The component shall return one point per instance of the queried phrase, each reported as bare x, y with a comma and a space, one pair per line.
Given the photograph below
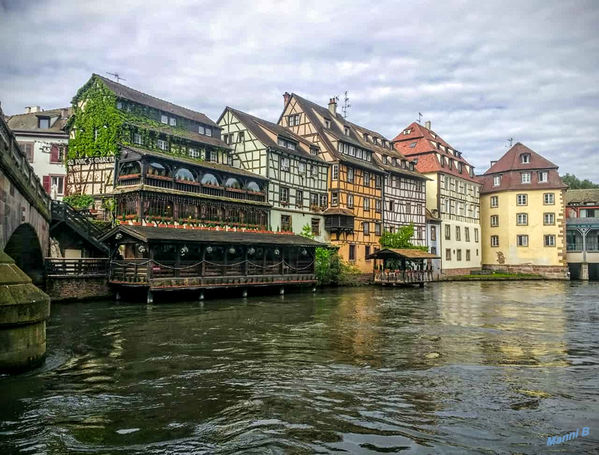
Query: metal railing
61, 211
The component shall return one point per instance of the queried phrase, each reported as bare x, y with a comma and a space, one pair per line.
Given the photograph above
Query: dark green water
454, 368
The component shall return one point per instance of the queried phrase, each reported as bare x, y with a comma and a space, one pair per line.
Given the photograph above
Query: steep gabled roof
511, 161
29, 122
257, 127
128, 93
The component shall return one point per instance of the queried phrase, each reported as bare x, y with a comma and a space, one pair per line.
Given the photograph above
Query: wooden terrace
402, 266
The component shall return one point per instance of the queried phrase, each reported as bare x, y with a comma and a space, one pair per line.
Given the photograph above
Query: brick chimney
333, 106
427, 124
32, 109
286, 98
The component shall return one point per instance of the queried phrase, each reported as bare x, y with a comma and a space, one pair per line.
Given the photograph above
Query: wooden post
203, 265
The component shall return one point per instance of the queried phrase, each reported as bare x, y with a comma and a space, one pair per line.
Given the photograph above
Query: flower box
159, 177
129, 176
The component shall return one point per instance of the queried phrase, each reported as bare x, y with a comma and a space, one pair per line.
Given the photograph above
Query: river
468, 367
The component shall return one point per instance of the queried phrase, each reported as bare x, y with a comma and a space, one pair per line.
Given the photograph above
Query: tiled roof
181, 132
29, 122
420, 143
257, 126
128, 93
586, 196
510, 169
407, 253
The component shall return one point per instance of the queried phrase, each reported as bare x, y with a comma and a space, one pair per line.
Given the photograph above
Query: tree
575, 183
400, 239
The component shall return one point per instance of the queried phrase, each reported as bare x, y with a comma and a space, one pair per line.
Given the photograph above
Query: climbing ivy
96, 125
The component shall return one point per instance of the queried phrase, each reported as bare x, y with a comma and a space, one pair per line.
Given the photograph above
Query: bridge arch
25, 248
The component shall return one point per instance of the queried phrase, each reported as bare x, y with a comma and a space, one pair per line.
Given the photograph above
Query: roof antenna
510, 140
419, 117
116, 76
346, 105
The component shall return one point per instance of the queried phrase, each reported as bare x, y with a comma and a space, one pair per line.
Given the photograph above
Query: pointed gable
512, 160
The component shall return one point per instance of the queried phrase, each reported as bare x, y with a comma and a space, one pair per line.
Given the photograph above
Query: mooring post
150, 297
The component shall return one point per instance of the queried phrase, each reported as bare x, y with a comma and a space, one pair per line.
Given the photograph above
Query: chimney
27, 109
64, 113
493, 162
286, 98
427, 124
333, 106
32, 109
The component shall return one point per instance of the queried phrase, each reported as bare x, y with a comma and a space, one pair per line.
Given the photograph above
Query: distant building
433, 241
522, 213
42, 137
452, 195
582, 233
297, 176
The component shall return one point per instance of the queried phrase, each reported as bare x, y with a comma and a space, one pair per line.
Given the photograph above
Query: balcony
338, 220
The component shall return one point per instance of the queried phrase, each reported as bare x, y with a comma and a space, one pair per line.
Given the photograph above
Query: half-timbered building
404, 192
452, 194
354, 217
297, 175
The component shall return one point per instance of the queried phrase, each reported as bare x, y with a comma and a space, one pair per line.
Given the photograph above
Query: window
458, 233
299, 198
525, 177
172, 121
467, 234
315, 226
161, 144
205, 130
494, 201
253, 186
497, 180
284, 195
350, 201
313, 170
476, 235
521, 199
286, 223
433, 233
27, 148
408, 208
521, 219
391, 206
209, 179
378, 230
377, 205
119, 105
43, 122
184, 175
346, 130
447, 232
525, 158
467, 255
327, 123
241, 136
522, 240
366, 179
213, 156
335, 172
293, 120
352, 252
366, 204
378, 181
548, 198
284, 163
494, 220
313, 200
334, 198
286, 143
323, 201
57, 184
164, 119
366, 228
458, 255
448, 254
548, 219
433, 250
367, 252
543, 176
301, 168
350, 175
550, 240
137, 139
494, 240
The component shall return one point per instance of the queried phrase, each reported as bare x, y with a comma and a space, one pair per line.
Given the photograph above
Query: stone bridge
24, 208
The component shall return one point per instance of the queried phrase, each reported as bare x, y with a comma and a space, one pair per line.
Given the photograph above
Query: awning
402, 253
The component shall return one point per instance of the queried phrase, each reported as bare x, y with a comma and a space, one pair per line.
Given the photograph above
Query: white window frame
525, 177
548, 198
522, 240
494, 241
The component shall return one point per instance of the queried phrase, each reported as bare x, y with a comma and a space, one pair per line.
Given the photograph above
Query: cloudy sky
482, 72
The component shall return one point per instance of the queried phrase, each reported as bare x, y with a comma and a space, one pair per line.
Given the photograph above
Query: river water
475, 367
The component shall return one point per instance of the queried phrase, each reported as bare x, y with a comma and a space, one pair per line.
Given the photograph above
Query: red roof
416, 141
510, 168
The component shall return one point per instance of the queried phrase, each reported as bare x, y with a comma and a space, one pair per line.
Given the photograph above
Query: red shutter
54, 154
46, 183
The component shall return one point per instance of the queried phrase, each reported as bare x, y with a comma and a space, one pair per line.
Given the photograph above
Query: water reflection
456, 367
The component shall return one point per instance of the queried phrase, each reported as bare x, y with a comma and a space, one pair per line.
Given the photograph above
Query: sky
481, 72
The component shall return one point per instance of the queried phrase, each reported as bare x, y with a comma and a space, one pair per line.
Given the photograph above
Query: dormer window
327, 123
164, 119
43, 122
394, 161
172, 121
346, 130
376, 140
366, 137
525, 158
385, 159
525, 177
205, 130
313, 150
286, 143
407, 131
496, 180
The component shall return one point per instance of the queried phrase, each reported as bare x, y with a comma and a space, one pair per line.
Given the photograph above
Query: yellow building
523, 215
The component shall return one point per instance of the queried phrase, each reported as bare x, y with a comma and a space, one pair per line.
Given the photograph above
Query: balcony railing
81, 268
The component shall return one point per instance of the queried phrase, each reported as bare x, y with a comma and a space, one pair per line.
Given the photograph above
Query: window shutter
46, 183
54, 154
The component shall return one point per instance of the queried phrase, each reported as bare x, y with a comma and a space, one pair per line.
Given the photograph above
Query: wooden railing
61, 211
404, 276
84, 267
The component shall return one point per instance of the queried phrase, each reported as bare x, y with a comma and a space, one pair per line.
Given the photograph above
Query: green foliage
330, 269
96, 123
575, 183
79, 201
307, 232
400, 239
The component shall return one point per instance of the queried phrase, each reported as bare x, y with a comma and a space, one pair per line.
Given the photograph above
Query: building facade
582, 233
523, 215
297, 176
354, 217
452, 195
41, 135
